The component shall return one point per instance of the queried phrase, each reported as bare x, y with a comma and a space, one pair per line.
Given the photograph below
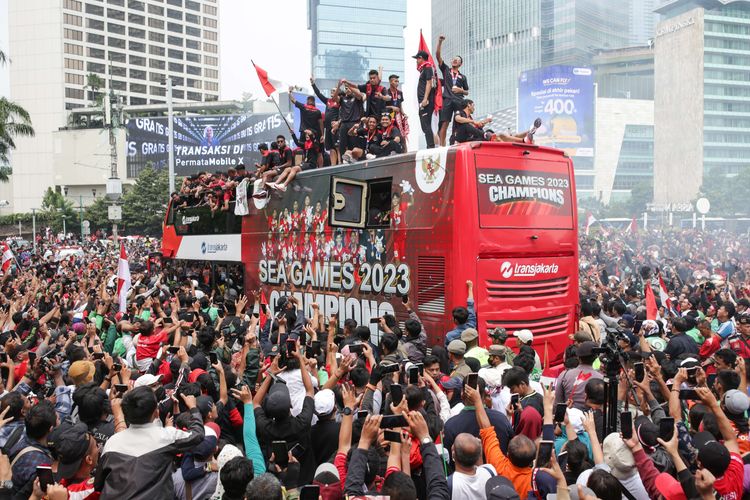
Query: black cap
712, 455
423, 54
744, 319
281, 303
71, 446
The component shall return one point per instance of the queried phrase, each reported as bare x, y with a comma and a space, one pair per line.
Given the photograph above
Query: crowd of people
195, 391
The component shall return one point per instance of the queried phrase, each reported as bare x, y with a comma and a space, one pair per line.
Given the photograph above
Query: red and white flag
438, 89
652, 312
123, 278
269, 84
666, 301
8, 258
633, 227
590, 220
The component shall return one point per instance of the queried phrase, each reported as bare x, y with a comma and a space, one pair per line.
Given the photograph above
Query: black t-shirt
271, 160
325, 440
370, 137
375, 106
309, 118
389, 135
462, 132
395, 98
450, 81
285, 156
425, 75
351, 109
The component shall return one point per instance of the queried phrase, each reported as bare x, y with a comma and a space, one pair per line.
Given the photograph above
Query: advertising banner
201, 143
563, 97
223, 247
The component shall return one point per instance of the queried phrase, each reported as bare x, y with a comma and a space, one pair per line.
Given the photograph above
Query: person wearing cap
496, 363
426, 95
470, 337
617, 459
77, 457
526, 338
325, 433
743, 336
499, 336
463, 317
570, 384
456, 352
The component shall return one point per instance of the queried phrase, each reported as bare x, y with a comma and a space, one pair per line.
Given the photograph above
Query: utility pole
65, 231
170, 145
33, 229
80, 214
112, 121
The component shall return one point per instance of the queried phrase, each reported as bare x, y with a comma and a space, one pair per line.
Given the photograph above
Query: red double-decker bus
357, 238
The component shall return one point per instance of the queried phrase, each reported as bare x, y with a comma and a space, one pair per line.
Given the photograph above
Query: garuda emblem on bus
430, 169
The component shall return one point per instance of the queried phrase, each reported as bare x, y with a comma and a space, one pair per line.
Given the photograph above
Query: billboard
201, 143
563, 97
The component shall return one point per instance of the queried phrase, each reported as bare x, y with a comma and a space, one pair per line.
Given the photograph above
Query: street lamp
170, 120
64, 230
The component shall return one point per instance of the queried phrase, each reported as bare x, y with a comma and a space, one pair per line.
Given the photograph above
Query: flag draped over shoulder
123, 278
438, 88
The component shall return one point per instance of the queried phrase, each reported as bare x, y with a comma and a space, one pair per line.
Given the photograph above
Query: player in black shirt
467, 129
311, 157
269, 162
455, 89
331, 140
310, 117
368, 134
286, 157
425, 95
392, 96
350, 112
390, 142
373, 92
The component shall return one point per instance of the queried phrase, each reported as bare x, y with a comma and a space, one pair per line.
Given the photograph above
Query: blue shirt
471, 322
726, 329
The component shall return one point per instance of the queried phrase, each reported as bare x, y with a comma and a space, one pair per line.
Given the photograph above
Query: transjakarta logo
188, 219
507, 269
210, 248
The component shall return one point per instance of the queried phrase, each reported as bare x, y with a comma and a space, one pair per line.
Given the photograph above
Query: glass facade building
635, 167
349, 38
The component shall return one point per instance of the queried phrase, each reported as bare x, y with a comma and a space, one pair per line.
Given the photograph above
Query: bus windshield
192, 221
539, 197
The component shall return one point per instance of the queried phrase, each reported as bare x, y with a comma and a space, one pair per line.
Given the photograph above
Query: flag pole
275, 103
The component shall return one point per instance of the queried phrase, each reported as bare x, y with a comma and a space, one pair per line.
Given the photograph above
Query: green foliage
14, 122
726, 193
55, 207
98, 215
143, 205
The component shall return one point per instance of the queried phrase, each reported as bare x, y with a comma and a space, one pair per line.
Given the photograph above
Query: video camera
610, 353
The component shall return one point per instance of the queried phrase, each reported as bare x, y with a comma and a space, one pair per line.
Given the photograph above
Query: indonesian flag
262, 308
8, 258
590, 220
633, 227
439, 88
269, 85
652, 312
123, 278
664, 296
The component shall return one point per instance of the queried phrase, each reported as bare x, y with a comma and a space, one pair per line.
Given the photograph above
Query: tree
143, 205
15, 121
98, 214
724, 191
94, 82
55, 206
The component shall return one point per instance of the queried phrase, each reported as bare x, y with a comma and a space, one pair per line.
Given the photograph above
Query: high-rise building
497, 41
702, 86
574, 30
56, 44
642, 21
352, 38
625, 73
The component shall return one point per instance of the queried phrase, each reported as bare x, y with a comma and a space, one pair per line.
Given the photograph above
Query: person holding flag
455, 89
425, 94
8, 258
123, 279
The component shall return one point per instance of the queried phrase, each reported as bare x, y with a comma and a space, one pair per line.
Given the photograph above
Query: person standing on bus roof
310, 117
373, 92
425, 95
350, 113
455, 88
330, 142
463, 317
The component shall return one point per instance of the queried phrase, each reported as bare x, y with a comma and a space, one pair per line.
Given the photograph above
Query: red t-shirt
148, 346
729, 486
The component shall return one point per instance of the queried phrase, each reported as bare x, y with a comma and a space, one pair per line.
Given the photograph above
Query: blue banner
563, 97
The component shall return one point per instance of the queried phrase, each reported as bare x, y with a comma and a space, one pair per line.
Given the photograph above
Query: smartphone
544, 453
666, 428
355, 349
315, 347
309, 492
392, 368
362, 415
472, 380
117, 366
397, 394
560, 410
32, 357
562, 459
281, 453
173, 349
44, 473
420, 366
391, 421
514, 399
374, 321
121, 388
297, 451
213, 357
392, 436
168, 320
626, 424
98, 355
413, 375
640, 372
3, 357
689, 395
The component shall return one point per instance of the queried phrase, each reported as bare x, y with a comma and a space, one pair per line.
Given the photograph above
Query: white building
136, 44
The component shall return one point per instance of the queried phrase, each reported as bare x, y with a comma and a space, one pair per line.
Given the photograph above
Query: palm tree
14, 122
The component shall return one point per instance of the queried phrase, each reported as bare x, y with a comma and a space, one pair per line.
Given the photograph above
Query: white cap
146, 379
199, 294
524, 335
324, 402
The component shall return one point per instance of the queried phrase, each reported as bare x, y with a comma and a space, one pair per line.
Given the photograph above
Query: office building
497, 40
625, 73
56, 44
642, 21
350, 39
574, 30
702, 86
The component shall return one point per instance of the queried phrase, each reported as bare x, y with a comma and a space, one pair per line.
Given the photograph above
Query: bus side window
360, 204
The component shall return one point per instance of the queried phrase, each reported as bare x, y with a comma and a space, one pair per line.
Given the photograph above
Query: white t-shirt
296, 388
467, 487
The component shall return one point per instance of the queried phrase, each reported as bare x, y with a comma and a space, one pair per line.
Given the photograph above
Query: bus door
527, 264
